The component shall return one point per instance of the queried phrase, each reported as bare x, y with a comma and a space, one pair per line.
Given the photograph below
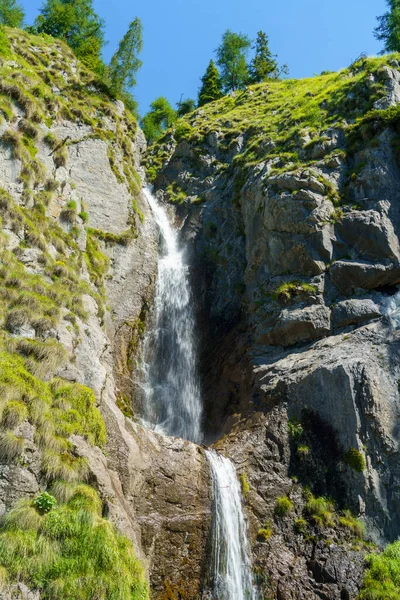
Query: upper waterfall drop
172, 402
230, 553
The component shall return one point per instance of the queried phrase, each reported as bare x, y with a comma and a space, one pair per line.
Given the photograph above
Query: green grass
382, 577
70, 551
283, 506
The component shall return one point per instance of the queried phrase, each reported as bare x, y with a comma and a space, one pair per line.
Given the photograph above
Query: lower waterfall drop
172, 402
230, 553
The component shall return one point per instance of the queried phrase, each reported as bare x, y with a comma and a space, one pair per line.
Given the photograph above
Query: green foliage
283, 506
388, 30
11, 13
244, 484
160, 116
70, 551
288, 291
75, 22
382, 578
355, 460
186, 106
231, 58
264, 65
302, 451
350, 522
321, 510
44, 503
295, 429
264, 533
211, 88
125, 62
300, 525
182, 131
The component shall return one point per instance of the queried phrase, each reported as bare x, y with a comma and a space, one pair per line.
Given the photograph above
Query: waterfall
391, 308
230, 553
172, 402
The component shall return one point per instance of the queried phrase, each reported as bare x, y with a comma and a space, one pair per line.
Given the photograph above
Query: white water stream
172, 405
230, 558
172, 393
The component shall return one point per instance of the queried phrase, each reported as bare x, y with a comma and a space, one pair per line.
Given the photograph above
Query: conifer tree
388, 30
11, 13
125, 63
184, 107
264, 65
75, 22
231, 58
211, 88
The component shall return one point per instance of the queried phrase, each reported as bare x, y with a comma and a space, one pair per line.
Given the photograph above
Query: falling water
230, 560
172, 401
391, 307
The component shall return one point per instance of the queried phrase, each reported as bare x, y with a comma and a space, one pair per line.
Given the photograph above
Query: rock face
294, 266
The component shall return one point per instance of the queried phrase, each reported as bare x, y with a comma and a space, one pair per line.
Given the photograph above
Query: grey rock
349, 275
351, 312
297, 325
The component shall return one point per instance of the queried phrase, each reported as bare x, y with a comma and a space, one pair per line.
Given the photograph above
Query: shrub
354, 459
44, 503
382, 578
283, 506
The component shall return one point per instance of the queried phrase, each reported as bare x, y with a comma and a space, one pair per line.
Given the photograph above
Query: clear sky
180, 36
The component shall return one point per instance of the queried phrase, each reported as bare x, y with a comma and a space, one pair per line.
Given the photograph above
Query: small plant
303, 451
244, 484
354, 459
264, 533
350, 522
295, 429
321, 510
283, 506
44, 502
300, 525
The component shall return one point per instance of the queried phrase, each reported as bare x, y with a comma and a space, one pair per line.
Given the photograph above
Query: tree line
76, 22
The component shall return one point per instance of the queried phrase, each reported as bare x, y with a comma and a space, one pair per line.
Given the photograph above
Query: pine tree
125, 63
231, 58
11, 13
263, 66
211, 88
75, 22
388, 30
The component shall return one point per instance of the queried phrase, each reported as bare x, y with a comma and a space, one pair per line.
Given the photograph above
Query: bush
354, 459
350, 522
283, 506
382, 578
295, 429
303, 451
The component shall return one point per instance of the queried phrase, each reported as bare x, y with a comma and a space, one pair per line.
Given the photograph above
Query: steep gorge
287, 194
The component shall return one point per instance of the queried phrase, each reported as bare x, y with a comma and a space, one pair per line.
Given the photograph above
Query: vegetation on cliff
53, 268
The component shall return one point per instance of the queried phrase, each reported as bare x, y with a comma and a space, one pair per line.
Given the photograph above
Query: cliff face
289, 198
79, 262
292, 214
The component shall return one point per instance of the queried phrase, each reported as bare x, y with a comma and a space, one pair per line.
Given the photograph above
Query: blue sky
180, 36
